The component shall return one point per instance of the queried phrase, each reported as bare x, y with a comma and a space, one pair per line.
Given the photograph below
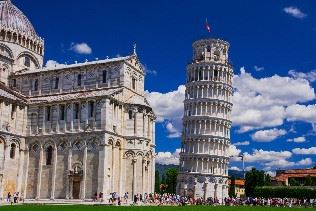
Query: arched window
12, 151
49, 155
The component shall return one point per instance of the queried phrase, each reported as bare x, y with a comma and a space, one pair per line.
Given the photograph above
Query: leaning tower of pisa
206, 122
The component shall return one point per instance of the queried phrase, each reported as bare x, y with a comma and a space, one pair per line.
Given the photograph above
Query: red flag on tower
207, 26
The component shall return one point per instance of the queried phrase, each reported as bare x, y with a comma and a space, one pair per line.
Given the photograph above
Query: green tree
171, 179
157, 181
308, 181
254, 178
232, 187
293, 182
267, 180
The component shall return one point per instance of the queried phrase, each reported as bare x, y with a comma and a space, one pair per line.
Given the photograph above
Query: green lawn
115, 208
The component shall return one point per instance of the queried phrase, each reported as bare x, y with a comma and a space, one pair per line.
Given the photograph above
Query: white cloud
301, 113
168, 158
81, 48
266, 156
310, 76
249, 168
149, 71
258, 69
305, 162
267, 135
305, 151
260, 103
295, 12
274, 159
51, 64
233, 151
173, 132
280, 164
243, 143
168, 108
300, 139
235, 168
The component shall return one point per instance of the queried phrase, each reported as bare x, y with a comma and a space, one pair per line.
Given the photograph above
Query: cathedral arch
25, 58
118, 143
16, 141
78, 145
141, 154
63, 145
48, 144
129, 154
6, 51
92, 144
111, 141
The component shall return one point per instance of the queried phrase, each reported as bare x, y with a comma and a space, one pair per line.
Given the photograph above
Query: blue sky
272, 42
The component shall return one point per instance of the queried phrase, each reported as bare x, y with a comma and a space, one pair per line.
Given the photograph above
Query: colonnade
206, 108
204, 165
207, 127
202, 90
203, 72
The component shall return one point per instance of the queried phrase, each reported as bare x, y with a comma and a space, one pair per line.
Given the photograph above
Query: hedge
285, 192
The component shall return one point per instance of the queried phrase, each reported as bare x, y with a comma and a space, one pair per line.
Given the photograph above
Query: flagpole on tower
207, 26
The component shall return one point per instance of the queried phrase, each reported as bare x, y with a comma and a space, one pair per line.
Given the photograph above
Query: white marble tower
206, 122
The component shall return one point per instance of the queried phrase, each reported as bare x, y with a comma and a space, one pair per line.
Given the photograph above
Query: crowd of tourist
13, 198
166, 199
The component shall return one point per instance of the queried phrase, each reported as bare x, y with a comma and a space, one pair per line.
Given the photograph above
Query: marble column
39, 175
52, 197
84, 173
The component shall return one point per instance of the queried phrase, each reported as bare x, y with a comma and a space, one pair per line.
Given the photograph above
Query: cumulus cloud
168, 158
258, 68
305, 151
168, 108
300, 139
243, 143
173, 132
286, 164
280, 164
260, 103
235, 168
51, 64
310, 76
267, 135
266, 156
233, 151
305, 162
295, 12
249, 168
149, 71
81, 48
306, 113
274, 159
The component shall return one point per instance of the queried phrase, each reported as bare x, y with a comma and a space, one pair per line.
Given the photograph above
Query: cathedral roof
63, 67
12, 19
77, 95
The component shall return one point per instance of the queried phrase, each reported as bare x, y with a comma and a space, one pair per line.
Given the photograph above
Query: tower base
202, 186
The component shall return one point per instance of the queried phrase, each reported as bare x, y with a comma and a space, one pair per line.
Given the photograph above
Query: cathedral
69, 131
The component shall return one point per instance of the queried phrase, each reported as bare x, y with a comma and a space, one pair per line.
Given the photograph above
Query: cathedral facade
206, 123
69, 131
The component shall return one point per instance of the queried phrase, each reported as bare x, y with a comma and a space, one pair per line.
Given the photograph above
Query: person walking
9, 197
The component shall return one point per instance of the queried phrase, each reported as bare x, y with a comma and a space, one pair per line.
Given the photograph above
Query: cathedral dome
12, 19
